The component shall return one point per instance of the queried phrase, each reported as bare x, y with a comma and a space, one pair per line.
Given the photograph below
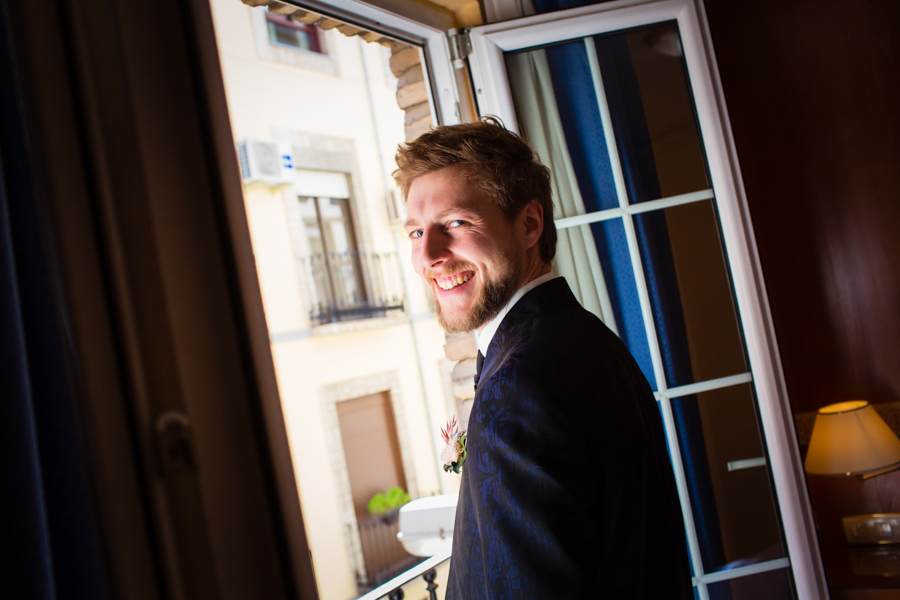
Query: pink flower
450, 430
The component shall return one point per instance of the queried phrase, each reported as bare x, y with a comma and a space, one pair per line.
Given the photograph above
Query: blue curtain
585, 139
48, 545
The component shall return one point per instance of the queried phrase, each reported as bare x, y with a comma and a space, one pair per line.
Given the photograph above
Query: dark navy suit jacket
567, 491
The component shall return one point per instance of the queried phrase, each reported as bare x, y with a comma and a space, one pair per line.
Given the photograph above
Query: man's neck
485, 334
538, 270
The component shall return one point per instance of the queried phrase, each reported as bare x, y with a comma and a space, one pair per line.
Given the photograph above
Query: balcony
384, 555
348, 286
422, 532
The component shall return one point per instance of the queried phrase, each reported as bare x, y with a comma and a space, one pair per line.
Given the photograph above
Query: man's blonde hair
494, 159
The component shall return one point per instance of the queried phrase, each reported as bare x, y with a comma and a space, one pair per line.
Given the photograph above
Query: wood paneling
813, 95
814, 99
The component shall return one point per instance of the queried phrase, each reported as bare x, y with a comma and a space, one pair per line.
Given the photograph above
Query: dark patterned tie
479, 362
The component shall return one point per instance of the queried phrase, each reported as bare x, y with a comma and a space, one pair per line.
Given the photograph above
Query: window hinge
460, 46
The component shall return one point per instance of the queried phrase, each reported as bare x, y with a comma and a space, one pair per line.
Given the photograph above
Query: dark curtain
584, 137
48, 544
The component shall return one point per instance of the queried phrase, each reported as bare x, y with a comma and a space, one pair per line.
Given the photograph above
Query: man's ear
532, 221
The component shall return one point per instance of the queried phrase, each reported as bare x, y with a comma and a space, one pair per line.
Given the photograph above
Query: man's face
470, 256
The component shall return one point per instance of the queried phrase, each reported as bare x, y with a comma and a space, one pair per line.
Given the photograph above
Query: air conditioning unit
265, 161
396, 207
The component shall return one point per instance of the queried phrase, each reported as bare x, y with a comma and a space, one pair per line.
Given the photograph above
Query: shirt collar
483, 339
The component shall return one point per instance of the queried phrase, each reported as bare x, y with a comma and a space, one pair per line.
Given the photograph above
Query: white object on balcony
426, 525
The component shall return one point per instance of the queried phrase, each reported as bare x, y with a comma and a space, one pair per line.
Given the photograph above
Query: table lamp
850, 438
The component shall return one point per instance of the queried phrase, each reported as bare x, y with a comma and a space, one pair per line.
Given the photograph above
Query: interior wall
812, 90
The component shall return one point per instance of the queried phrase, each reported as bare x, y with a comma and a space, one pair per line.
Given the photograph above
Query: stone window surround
316, 152
329, 396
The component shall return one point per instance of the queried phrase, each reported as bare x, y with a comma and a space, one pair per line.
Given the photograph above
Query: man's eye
415, 234
456, 223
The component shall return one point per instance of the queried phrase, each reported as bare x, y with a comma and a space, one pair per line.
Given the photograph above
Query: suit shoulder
571, 333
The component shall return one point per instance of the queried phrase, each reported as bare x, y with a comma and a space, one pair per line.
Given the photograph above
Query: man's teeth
449, 284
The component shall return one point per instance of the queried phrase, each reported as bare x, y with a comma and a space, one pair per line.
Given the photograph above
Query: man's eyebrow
465, 210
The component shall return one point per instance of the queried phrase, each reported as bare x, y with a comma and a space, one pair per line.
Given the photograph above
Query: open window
621, 100
167, 313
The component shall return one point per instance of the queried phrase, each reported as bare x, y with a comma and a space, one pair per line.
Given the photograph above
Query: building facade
349, 321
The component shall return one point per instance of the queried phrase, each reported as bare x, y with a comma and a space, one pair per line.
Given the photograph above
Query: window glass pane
733, 505
690, 291
290, 37
597, 265
290, 34
652, 112
557, 111
312, 234
338, 230
771, 585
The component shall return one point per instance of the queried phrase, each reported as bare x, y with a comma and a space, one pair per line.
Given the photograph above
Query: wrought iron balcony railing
347, 286
426, 570
384, 555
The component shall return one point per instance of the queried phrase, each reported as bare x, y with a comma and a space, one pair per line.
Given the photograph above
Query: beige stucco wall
270, 99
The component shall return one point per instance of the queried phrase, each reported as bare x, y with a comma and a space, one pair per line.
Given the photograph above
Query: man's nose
435, 248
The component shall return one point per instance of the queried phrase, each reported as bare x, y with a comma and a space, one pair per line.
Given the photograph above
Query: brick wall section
412, 97
412, 94
461, 349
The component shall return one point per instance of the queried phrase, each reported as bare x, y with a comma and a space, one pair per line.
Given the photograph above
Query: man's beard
494, 295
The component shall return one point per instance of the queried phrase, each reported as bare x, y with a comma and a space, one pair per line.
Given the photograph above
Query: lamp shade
850, 438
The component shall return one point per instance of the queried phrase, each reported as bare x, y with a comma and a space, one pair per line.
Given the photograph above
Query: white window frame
494, 97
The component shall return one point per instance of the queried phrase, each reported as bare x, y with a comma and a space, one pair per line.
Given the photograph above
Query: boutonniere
454, 453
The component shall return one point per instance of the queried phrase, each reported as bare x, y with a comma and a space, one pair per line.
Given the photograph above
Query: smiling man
567, 490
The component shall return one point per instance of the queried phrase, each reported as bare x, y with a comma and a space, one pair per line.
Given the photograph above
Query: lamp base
878, 528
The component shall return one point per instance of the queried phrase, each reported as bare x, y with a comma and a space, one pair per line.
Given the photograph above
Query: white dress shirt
483, 339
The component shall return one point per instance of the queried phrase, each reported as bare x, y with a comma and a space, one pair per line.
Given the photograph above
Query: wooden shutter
371, 448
